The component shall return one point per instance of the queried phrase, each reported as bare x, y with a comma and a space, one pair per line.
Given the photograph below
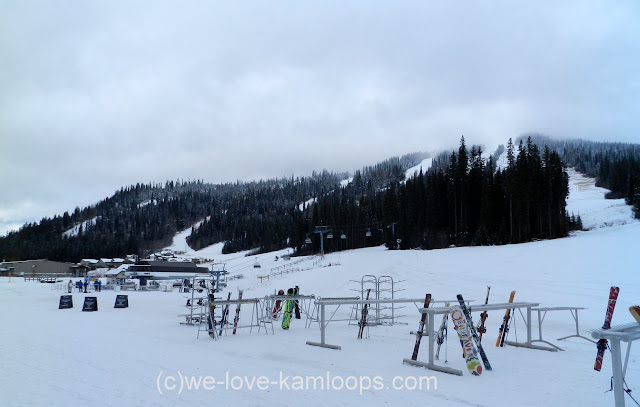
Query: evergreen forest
463, 198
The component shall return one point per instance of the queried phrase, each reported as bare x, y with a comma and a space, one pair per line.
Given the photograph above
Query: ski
363, 317
504, 328
483, 317
423, 320
237, 318
602, 343
296, 305
464, 334
474, 334
442, 332
288, 307
278, 306
211, 322
225, 315
635, 311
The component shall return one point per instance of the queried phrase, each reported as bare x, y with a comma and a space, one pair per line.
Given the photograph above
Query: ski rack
196, 302
430, 325
382, 287
623, 333
542, 313
324, 322
215, 283
258, 318
304, 304
315, 313
382, 294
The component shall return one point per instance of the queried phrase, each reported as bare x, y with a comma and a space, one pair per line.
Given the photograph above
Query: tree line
463, 198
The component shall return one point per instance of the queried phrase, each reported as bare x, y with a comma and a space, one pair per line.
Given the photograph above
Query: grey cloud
100, 94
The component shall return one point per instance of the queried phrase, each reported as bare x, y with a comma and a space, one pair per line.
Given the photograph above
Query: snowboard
474, 334
464, 334
602, 343
288, 308
423, 320
504, 328
278, 306
635, 311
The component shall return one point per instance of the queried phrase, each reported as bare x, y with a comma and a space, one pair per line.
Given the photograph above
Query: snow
311, 201
345, 182
76, 229
423, 166
134, 356
588, 201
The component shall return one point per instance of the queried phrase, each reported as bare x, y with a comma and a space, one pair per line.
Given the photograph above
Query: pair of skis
363, 316
225, 315
468, 335
504, 328
442, 332
420, 333
277, 306
602, 343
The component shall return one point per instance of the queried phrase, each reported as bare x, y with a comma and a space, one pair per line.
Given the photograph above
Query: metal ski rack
324, 321
314, 316
195, 304
217, 284
258, 317
382, 288
388, 290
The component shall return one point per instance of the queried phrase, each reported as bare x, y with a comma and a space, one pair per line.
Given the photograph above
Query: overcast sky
96, 95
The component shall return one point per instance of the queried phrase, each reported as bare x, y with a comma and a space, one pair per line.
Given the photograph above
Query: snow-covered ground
138, 355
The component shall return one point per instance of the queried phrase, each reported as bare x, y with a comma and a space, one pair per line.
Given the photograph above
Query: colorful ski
423, 320
237, 318
288, 307
442, 332
483, 317
296, 305
464, 334
504, 328
278, 306
225, 315
602, 343
635, 311
474, 334
363, 316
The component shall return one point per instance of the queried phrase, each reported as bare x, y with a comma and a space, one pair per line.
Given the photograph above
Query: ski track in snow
118, 356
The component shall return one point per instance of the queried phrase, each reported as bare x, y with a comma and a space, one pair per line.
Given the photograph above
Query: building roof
167, 266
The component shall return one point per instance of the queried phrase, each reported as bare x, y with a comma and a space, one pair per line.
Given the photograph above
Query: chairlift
307, 240
330, 236
343, 236
368, 234
256, 265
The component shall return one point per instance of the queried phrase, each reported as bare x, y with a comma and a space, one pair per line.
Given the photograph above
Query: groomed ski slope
128, 357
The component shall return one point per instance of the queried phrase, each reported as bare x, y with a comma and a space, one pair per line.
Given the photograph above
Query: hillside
461, 198
130, 356
142, 218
